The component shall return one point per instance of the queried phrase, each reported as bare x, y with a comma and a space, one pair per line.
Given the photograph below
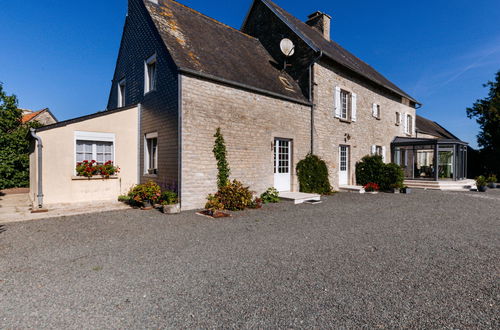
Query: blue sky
61, 54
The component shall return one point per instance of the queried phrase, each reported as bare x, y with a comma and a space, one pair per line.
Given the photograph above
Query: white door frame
344, 164
283, 164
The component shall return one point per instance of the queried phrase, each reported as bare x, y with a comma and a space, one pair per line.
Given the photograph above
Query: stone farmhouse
180, 75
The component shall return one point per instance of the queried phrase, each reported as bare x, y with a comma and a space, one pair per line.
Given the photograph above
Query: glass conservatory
430, 159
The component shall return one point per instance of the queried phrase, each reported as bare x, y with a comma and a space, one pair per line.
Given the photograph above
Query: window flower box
90, 169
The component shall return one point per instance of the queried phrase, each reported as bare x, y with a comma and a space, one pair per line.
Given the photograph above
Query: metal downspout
311, 97
39, 149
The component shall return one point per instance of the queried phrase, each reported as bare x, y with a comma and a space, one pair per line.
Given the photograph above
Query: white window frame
94, 137
147, 79
379, 150
147, 156
121, 94
409, 124
376, 111
348, 104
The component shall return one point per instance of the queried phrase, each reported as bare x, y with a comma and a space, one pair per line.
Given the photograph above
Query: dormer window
121, 93
286, 83
150, 74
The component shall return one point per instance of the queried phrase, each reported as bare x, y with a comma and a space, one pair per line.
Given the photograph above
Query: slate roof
424, 125
201, 44
334, 51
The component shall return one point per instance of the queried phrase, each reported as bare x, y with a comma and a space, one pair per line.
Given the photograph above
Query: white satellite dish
287, 47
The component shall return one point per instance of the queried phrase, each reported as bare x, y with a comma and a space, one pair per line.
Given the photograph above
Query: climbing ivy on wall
222, 164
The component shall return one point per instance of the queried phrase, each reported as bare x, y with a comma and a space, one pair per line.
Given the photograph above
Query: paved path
426, 260
17, 207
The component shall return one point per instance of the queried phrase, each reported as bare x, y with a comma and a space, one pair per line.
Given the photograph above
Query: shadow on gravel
2, 229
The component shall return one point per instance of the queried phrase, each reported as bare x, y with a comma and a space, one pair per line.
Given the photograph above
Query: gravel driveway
430, 259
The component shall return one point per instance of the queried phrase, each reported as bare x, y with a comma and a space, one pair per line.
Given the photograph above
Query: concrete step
354, 189
298, 197
463, 185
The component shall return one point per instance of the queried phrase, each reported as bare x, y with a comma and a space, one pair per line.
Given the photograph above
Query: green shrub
271, 195
481, 181
392, 177
149, 191
492, 179
169, 197
213, 203
256, 203
372, 169
222, 164
124, 199
369, 169
313, 175
235, 196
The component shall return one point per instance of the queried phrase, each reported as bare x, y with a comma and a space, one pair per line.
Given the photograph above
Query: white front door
343, 165
282, 165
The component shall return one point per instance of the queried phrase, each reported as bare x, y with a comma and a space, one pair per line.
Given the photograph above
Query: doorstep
354, 189
298, 197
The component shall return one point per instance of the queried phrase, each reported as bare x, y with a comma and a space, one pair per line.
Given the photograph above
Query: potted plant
394, 188
170, 202
405, 190
146, 194
492, 181
372, 188
481, 183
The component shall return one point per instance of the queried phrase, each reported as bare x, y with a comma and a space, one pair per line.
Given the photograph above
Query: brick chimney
320, 22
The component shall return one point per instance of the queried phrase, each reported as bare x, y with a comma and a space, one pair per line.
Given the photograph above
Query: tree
14, 143
220, 154
486, 111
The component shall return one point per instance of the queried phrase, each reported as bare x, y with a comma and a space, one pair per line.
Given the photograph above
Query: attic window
287, 84
150, 74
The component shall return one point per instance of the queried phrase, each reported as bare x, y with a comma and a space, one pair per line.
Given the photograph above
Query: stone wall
45, 118
330, 132
249, 123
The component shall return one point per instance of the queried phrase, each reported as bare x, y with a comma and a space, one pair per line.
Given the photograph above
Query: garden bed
214, 215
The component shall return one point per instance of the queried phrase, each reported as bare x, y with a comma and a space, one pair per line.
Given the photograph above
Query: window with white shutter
345, 105
337, 102
354, 106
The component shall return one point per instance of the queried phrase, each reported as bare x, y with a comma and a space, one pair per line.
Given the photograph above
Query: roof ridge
212, 19
388, 84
